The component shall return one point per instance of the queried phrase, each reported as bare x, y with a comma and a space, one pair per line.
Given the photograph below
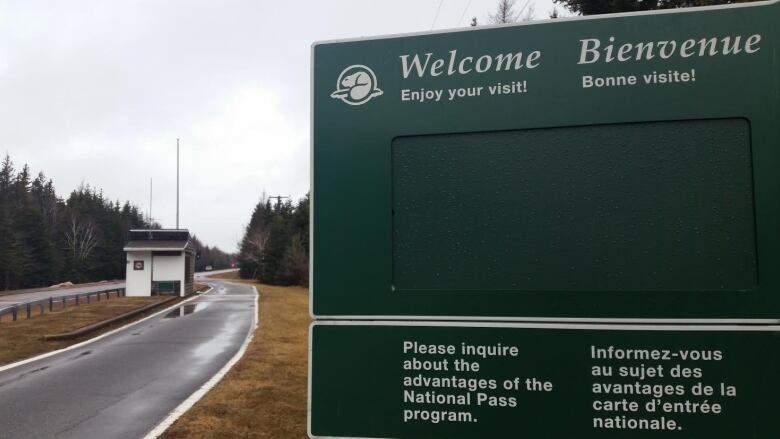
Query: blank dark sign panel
662, 206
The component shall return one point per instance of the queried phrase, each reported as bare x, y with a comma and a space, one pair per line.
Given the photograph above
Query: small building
159, 261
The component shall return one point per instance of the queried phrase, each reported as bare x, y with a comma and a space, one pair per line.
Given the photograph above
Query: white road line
205, 388
99, 337
215, 296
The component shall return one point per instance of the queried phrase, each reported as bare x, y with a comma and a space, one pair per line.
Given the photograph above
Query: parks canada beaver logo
356, 85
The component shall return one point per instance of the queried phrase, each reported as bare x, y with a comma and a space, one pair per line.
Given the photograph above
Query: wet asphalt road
123, 385
44, 293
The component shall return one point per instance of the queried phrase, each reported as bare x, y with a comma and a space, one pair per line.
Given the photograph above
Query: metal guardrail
58, 303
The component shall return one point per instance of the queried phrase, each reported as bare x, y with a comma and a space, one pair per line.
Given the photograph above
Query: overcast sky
98, 91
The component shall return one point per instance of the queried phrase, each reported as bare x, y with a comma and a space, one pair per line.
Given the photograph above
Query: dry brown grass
264, 395
24, 338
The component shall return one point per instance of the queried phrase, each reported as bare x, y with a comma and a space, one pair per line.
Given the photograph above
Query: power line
436, 17
278, 199
464, 12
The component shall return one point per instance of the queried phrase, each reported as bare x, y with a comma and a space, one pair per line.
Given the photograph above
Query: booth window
166, 287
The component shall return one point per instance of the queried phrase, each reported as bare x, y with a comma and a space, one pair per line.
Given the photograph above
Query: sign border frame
595, 320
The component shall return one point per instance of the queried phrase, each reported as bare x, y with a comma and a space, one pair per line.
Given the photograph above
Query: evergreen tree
254, 240
8, 244
295, 263
278, 238
275, 246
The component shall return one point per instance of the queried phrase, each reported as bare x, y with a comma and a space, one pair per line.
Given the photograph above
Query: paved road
6, 301
44, 293
125, 384
203, 275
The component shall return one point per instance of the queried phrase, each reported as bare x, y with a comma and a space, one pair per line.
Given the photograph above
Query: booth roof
157, 245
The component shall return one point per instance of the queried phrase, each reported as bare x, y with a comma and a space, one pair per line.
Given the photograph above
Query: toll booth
160, 261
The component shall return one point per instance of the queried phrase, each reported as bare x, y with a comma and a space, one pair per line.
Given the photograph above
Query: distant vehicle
209, 268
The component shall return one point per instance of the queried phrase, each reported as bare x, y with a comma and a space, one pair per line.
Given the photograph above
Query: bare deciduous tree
256, 240
505, 12
80, 239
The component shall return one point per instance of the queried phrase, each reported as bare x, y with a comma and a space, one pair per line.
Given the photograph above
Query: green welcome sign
616, 167
560, 229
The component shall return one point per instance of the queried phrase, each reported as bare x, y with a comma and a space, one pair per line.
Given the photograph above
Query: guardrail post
64, 304
77, 299
88, 296
28, 311
13, 313
51, 304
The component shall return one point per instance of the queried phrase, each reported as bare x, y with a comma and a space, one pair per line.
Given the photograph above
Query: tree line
275, 246
45, 239
594, 7
507, 11
210, 256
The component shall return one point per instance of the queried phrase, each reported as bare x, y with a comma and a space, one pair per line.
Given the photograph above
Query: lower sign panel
429, 380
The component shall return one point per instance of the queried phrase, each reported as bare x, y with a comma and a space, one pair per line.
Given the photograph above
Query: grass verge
24, 338
264, 395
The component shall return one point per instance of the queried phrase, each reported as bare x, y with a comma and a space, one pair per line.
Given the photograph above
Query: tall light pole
177, 183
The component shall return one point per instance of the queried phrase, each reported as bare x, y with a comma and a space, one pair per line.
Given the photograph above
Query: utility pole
177, 183
278, 199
